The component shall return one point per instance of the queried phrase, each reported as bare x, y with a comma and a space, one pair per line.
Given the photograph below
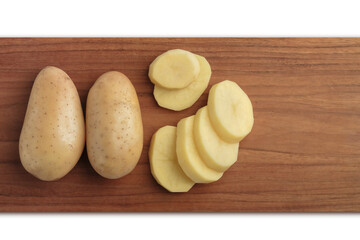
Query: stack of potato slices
202, 146
180, 77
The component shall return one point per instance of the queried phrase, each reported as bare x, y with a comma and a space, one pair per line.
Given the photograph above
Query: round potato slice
180, 99
230, 111
188, 156
174, 69
216, 153
163, 161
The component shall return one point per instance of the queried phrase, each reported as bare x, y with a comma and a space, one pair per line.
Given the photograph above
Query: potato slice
216, 153
230, 111
188, 156
180, 99
163, 161
174, 69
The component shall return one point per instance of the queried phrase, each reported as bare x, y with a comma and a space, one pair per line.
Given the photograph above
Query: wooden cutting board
303, 154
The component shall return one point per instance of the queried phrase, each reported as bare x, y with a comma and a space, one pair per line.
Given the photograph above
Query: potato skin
114, 129
52, 138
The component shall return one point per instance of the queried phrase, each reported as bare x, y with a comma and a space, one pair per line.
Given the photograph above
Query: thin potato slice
163, 161
174, 69
188, 156
180, 99
230, 111
216, 153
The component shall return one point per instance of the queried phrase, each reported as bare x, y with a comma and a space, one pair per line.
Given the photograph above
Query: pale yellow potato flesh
174, 69
180, 99
114, 129
163, 161
188, 155
230, 111
52, 138
216, 153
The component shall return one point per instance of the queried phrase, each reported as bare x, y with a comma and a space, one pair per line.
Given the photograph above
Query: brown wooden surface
302, 155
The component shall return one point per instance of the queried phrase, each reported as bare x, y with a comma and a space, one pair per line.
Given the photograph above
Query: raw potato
216, 153
230, 111
188, 156
114, 130
180, 99
163, 161
53, 134
174, 69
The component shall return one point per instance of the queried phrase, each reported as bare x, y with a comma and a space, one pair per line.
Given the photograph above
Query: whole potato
52, 138
114, 130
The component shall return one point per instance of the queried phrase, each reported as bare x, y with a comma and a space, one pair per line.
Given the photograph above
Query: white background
179, 18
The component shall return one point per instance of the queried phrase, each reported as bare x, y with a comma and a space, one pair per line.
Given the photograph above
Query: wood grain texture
303, 154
